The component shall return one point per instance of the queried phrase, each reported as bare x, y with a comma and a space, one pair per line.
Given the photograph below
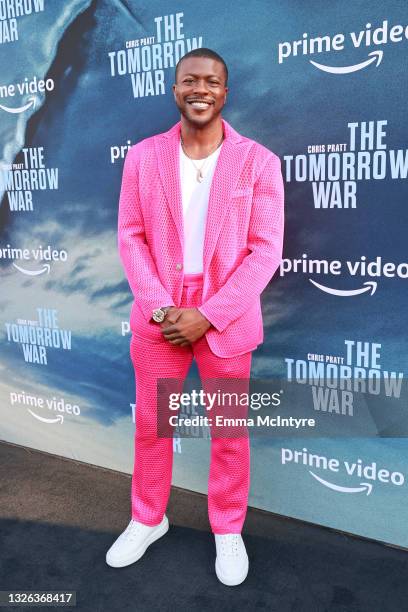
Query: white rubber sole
160, 531
232, 582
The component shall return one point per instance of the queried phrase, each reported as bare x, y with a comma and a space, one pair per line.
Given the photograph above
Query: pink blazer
243, 236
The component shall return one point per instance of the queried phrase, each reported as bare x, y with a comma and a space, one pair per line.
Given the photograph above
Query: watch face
158, 315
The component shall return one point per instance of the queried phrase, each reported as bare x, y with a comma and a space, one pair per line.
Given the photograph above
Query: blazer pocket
149, 330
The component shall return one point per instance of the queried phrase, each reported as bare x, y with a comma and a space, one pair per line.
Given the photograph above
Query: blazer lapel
227, 171
168, 158
226, 174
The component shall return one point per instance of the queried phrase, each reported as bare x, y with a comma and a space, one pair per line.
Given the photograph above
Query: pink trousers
229, 475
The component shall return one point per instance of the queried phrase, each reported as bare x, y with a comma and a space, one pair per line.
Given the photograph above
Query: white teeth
200, 104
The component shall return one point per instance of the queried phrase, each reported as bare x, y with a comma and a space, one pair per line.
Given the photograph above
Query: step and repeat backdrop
325, 89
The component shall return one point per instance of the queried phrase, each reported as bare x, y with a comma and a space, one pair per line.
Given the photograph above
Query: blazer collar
226, 174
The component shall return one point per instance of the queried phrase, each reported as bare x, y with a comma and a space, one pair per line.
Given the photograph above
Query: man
200, 232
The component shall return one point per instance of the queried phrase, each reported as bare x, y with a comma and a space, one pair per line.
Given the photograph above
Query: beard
197, 119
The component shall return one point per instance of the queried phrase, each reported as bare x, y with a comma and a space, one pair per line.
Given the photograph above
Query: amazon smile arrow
365, 486
370, 286
19, 109
376, 57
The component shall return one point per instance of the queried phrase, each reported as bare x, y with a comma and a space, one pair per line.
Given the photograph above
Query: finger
174, 315
171, 328
175, 336
169, 331
172, 332
178, 341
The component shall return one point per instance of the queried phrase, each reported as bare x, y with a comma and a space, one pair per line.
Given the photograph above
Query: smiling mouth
199, 105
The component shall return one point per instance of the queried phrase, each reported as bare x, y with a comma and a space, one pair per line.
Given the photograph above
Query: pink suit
242, 250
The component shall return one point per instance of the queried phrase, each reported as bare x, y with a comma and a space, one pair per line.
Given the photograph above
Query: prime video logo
367, 37
363, 268
367, 474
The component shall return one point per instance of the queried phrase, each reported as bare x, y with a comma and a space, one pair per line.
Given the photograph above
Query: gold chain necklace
199, 175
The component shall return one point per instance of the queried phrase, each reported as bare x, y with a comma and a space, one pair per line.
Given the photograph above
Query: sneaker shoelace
132, 530
229, 545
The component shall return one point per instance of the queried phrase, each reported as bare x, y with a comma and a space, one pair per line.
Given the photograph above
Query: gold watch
159, 314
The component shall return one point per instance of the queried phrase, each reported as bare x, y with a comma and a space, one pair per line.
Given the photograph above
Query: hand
171, 317
186, 326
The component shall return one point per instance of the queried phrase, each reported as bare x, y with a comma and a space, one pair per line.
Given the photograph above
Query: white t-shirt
195, 205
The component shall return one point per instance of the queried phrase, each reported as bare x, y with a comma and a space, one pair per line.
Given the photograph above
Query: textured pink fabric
242, 244
229, 475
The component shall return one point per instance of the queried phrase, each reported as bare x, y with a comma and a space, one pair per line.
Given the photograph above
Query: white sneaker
231, 564
133, 542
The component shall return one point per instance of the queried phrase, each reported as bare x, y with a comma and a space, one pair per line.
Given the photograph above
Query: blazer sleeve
265, 242
134, 251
